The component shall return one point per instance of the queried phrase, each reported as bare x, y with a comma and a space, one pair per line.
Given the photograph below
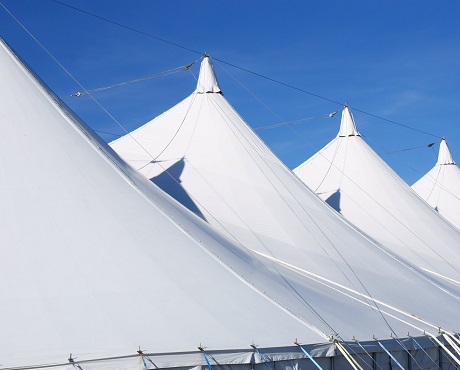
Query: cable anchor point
201, 348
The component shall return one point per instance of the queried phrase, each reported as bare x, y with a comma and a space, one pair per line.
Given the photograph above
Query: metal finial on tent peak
139, 351
206, 55
253, 345
444, 155
71, 359
207, 81
347, 123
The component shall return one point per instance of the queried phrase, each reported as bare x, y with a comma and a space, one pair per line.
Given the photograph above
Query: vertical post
409, 360
439, 357
374, 360
390, 357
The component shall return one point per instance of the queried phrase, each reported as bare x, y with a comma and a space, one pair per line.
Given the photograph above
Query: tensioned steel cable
164, 73
127, 27
147, 34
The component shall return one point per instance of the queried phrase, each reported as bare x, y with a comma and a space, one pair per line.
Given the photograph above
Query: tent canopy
440, 187
97, 261
356, 182
204, 155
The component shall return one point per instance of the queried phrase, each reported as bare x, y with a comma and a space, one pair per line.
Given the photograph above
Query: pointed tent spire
444, 156
207, 81
347, 125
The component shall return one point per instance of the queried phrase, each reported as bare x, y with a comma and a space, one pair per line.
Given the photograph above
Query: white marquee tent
355, 181
440, 187
203, 154
96, 261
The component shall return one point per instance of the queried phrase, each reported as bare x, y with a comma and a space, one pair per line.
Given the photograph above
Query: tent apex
444, 156
207, 81
347, 124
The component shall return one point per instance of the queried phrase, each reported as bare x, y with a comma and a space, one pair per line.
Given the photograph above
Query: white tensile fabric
203, 154
355, 181
440, 187
96, 261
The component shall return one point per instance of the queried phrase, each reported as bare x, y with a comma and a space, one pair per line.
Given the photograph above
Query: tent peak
207, 81
347, 124
444, 157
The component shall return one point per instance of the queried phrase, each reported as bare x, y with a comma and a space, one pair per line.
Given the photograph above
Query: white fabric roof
203, 153
96, 260
355, 181
440, 187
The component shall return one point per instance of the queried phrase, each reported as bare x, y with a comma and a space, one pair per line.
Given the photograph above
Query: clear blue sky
395, 59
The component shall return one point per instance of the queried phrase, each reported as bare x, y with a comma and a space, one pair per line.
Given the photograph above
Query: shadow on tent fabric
169, 181
334, 200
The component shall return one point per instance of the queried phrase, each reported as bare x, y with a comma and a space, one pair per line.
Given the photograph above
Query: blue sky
398, 60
